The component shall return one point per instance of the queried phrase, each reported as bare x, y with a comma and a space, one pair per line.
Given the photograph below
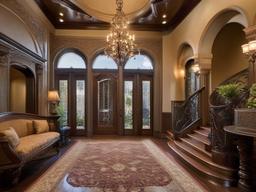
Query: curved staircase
193, 151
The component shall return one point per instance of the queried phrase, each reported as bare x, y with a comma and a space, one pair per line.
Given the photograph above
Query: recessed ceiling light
164, 16
164, 22
61, 20
61, 14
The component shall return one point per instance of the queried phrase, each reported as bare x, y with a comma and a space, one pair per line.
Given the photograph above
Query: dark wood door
138, 106
105, 105
72, 106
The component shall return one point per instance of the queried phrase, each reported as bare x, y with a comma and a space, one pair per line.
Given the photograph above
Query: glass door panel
146, 103
105, 104
63, 105
80, 104
128, 104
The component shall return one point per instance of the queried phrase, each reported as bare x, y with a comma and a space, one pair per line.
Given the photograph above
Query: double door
138, 110
137, 103
72, 106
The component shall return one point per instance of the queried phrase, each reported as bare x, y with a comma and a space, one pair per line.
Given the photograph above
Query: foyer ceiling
95, 14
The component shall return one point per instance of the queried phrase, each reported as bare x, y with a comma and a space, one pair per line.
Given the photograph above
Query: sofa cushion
41, 126
12, 137
32, 144
23, 127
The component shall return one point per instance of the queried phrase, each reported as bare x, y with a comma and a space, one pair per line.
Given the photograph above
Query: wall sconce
249, 47
250, 50
53, 99
196, 68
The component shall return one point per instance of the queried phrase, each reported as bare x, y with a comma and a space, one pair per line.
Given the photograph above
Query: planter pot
245, 118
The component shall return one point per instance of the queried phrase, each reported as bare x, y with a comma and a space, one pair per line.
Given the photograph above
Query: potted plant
246, 117
230, 92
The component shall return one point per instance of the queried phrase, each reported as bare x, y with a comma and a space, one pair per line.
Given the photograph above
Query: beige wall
17, 91
191, 31
227, 56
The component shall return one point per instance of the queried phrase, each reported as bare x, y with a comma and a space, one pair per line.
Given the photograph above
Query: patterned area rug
114, 166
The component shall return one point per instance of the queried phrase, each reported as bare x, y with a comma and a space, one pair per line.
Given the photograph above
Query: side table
64, 135
245, 147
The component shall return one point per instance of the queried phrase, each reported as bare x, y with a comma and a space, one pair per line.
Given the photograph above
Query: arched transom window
71, 60
141, 62
104, 62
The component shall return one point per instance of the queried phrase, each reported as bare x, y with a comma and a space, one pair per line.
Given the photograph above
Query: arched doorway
138, 96
22, 90
228, 58
105, 95
70, 80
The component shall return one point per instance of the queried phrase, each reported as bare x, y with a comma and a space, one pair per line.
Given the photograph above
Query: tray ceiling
95, 14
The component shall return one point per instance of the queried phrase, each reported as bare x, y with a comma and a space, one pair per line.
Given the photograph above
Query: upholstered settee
24, 137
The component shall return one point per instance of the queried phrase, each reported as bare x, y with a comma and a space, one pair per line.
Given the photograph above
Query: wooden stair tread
203, 132
200, 138
200, 167
196, 145
205, 159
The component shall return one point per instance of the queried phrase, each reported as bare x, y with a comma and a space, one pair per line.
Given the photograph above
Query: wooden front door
105, 93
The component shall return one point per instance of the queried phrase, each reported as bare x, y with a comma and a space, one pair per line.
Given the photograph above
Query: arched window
141, 62
71, 60
104, 62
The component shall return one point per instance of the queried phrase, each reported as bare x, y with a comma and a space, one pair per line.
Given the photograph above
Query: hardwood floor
33, 170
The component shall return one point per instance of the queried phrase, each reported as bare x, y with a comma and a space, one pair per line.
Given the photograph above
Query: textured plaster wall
190, 31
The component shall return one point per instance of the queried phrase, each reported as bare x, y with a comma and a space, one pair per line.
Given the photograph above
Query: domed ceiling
150, 15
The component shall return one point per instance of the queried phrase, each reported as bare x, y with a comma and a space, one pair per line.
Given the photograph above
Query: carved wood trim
5, 40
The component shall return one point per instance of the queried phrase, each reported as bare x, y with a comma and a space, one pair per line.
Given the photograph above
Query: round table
245, 144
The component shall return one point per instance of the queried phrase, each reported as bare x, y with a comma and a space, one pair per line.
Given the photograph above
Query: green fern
230, 91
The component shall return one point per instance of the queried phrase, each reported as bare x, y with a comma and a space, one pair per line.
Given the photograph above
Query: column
90, 100
4, 81
120, 100
204, 80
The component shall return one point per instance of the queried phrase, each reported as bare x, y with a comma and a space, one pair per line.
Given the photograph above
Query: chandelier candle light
120, 43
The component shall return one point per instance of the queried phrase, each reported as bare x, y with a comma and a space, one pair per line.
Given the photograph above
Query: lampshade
53, 96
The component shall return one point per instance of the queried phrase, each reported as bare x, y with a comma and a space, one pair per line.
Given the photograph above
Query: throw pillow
11, 136
41, 126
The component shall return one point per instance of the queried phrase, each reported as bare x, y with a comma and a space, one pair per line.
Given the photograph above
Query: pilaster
4, 81
204, 79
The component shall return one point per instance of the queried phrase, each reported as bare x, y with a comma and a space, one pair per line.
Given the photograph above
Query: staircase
193, 151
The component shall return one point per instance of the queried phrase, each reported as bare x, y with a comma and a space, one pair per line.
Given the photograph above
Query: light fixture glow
249, 47
164, 22
61, 20
164, 16
61, 14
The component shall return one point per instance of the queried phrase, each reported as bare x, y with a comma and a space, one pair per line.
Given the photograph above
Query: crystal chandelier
120, 43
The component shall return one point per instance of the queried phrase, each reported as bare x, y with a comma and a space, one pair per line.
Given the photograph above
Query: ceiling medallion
120, 43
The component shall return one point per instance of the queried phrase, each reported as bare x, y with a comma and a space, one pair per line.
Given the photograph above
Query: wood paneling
166, 121
75, 18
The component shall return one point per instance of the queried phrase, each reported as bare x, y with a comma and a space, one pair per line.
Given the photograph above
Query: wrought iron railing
187, 115
222, 114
